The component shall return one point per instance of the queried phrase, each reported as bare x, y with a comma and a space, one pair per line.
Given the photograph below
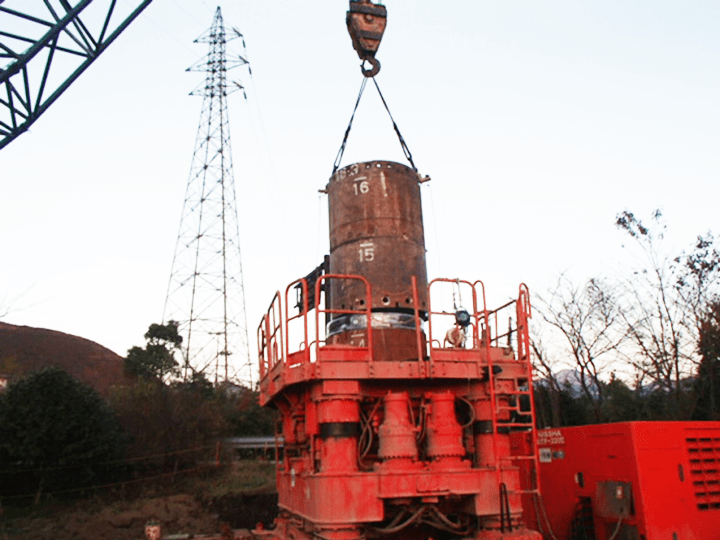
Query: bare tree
10, 304
590, 328
545, 367
667, 298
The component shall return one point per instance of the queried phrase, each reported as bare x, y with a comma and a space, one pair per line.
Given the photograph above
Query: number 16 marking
361, 185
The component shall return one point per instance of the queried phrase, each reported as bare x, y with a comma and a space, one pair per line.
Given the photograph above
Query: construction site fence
19, 482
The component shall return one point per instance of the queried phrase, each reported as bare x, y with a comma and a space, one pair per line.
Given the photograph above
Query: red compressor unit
627, 481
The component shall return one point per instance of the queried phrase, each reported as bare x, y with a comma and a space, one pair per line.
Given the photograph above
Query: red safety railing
367, 311
447, 314
481, 317
524, 312
262, 347
275, 346
422, 353
275, 354
301, 355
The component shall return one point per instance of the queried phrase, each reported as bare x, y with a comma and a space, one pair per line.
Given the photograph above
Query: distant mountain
24, 349
570, 379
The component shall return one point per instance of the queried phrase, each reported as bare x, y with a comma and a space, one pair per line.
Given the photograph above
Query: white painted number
362, 186
367, 252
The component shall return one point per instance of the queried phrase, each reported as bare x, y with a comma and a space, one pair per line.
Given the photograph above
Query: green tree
179, 423
707, 384
55, 433
157, 359
246, 416
622, 403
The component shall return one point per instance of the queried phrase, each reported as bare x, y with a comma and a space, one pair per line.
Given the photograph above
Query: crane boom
40, 69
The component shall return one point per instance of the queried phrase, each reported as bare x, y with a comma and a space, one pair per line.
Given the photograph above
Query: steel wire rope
319, 227
204, 3
111, 462
403, 144
340, 153
273, 175
435, 231
146, 16
177, 5
113, 484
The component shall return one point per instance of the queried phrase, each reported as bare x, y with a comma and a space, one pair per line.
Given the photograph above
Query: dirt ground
202, 509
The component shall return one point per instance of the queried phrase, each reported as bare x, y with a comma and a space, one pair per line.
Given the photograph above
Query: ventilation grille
704, 456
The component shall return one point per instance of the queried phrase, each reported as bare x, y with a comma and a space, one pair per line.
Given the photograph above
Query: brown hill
24, 349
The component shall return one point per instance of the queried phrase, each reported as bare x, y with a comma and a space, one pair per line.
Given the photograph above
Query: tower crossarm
45, 47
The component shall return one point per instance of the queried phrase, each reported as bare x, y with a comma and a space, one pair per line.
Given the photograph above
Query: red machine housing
628, 481
396, 411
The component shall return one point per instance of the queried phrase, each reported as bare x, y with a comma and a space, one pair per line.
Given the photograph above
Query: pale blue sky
537, 120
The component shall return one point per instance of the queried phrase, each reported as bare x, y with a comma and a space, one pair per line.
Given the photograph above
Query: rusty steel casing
376, 231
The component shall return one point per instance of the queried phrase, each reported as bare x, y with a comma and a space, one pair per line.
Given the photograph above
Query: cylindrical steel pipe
376, 231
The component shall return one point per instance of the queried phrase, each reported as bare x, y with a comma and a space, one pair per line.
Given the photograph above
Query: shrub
56, 434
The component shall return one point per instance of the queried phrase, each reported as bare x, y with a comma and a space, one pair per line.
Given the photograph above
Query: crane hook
366, 24
374, 69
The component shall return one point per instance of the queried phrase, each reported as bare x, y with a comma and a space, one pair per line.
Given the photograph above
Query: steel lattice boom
46, 45
205, 292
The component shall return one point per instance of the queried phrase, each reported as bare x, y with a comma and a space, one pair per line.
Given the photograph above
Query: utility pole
205, 293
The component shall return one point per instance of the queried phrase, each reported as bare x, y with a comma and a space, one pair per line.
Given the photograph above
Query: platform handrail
367, 311
276, 354
485, 331
447, 313
303, 313
418, 323
261, 345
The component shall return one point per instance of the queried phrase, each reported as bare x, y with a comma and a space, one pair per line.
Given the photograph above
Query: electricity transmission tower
205, 293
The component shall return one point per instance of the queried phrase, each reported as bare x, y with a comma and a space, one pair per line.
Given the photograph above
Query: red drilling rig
396, 409
406, 406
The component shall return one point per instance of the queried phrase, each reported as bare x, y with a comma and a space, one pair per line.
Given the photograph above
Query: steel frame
21, 101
